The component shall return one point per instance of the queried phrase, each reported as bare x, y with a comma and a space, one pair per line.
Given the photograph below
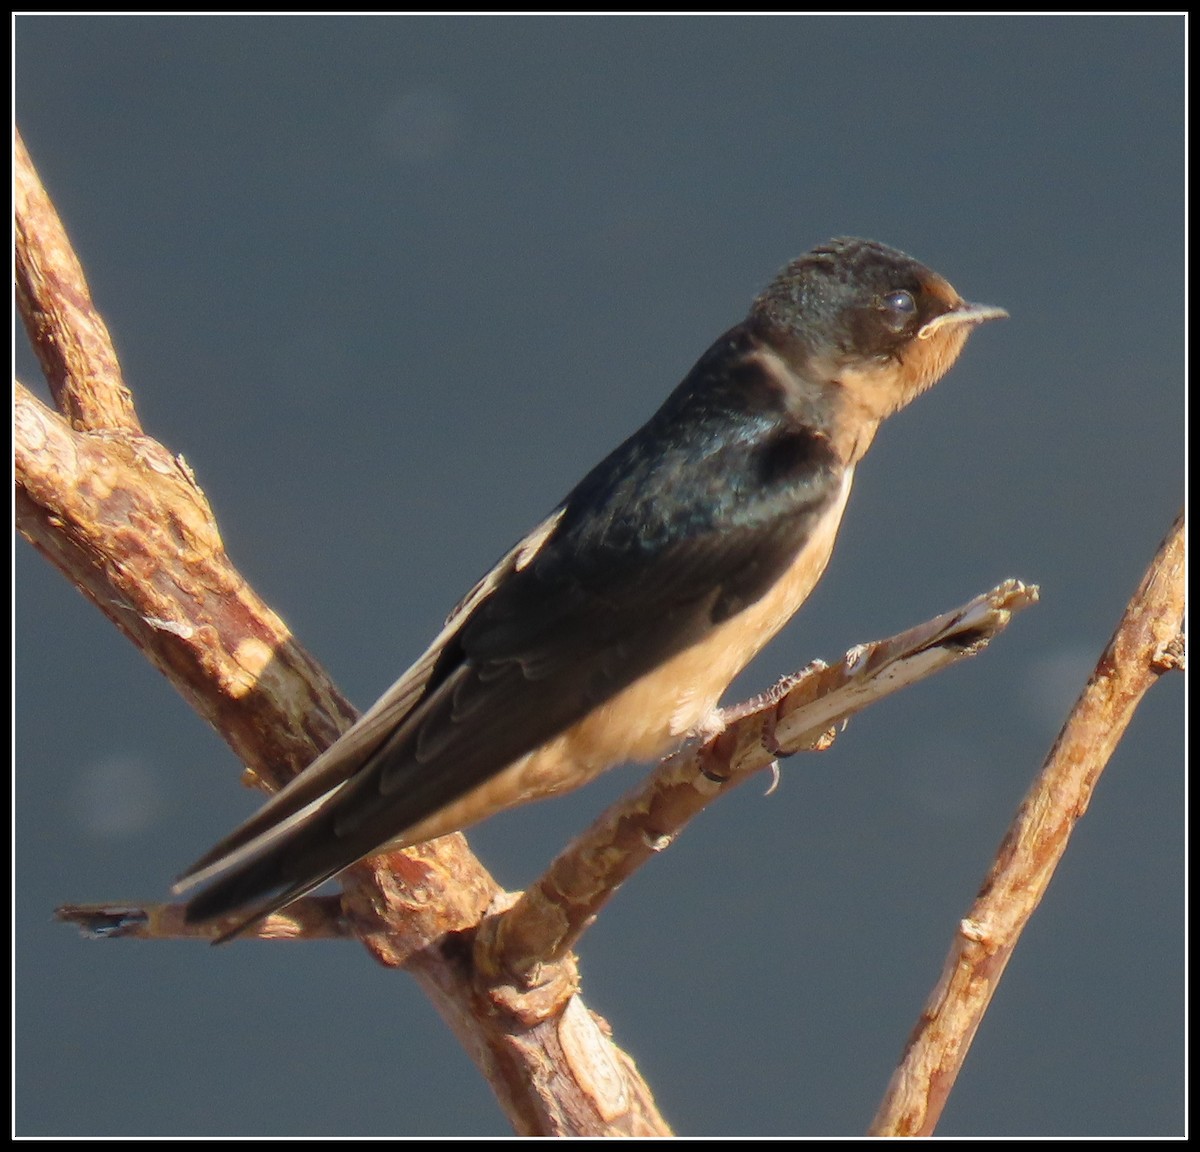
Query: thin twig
66, 331
1147, 642
314, 918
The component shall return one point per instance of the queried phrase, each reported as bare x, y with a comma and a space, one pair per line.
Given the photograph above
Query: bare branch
124, 521
66, 331
1036, 840
313, 918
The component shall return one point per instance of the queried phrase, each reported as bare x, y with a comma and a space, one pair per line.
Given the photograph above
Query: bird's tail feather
211, 905
256, 888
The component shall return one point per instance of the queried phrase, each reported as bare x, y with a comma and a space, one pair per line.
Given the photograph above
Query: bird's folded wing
312, 786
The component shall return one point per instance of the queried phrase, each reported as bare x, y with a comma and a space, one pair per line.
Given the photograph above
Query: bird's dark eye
900, 304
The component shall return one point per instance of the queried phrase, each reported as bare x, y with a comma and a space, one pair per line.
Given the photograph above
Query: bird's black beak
964, 313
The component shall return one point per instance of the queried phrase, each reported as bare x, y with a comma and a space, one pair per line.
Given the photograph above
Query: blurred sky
391, 285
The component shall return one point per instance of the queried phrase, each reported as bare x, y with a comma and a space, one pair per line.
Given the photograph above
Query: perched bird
609, 633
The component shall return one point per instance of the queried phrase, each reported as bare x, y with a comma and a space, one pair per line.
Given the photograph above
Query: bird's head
880, 324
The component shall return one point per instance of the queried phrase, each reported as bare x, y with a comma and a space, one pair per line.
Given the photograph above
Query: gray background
391, 286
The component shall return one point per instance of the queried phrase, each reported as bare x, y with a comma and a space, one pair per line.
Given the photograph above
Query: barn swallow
609, 633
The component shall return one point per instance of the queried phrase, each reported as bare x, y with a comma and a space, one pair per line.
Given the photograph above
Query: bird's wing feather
315, 783
516, 687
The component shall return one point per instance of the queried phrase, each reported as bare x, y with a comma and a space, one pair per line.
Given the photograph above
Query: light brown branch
313, 918
66, 331
1147, 641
